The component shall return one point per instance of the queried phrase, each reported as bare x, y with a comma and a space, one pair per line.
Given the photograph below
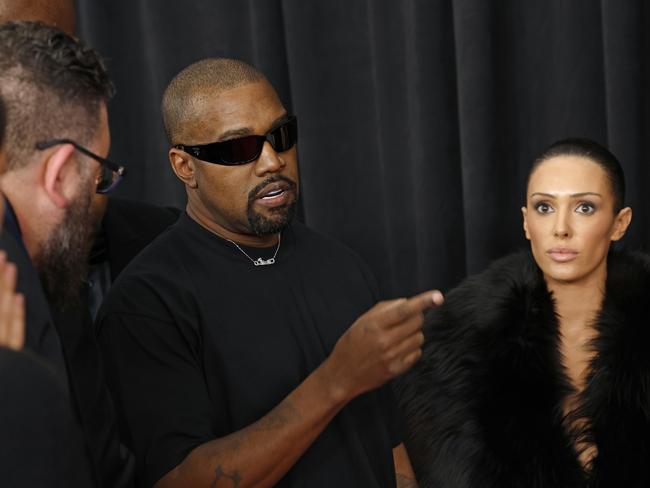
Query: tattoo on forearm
220, 475
406, 482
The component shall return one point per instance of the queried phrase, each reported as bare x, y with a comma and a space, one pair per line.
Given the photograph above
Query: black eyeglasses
245, 149
112, 173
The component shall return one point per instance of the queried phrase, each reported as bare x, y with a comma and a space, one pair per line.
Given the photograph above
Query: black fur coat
483, 407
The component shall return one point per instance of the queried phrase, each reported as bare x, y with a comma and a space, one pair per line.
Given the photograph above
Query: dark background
418, 119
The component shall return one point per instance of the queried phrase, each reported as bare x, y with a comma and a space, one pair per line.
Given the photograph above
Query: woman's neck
578, 303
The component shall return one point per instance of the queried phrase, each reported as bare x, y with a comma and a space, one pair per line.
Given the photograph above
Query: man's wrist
333, 384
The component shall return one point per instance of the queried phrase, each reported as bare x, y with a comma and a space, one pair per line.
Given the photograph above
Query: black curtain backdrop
418, 119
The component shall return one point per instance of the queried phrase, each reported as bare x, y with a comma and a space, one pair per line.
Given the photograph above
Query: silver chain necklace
259, 261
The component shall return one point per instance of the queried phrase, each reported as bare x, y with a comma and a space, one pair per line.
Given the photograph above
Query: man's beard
62, 261
262, 225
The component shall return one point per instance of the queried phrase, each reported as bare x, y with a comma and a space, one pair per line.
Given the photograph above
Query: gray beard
62, 261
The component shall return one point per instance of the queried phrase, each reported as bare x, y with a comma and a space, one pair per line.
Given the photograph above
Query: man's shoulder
136, 216
39, 334
129, 226
152, 277
315, 239
28, 281
329, 253
155, 259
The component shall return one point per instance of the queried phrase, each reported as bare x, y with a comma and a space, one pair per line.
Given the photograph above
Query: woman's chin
562, 272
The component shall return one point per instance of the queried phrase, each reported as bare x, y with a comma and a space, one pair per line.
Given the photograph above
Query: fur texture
483, 407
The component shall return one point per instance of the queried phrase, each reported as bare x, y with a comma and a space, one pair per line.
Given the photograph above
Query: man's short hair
53, 86
216, 74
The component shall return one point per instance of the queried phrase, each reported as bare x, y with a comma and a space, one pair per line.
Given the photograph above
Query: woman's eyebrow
587, 194
573, 195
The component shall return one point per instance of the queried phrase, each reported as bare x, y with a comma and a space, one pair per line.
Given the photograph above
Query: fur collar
483, 407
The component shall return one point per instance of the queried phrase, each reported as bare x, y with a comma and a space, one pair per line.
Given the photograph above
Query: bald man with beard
244, 348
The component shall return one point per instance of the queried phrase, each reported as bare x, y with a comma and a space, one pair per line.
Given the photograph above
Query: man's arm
403, 470
381, 344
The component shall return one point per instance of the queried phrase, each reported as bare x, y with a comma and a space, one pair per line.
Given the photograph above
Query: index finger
404, 309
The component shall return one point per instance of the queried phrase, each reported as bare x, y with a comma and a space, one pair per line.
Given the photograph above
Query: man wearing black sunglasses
236, 344
57, 140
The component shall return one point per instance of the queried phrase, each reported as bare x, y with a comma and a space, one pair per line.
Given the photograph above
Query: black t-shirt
200, 343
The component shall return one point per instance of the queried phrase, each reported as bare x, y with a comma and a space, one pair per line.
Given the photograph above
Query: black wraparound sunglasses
245, 149
112, 173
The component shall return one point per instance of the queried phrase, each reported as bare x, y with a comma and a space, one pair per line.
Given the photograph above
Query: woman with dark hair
536, 372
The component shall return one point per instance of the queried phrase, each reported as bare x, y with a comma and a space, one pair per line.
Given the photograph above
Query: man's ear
58, 167
524, 214
184, 167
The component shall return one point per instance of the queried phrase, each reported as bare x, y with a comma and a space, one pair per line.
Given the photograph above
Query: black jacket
41, 444
483, 407
40, 334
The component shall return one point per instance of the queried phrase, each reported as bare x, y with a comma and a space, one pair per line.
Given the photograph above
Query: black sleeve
158, 385
393, 416
41, 444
